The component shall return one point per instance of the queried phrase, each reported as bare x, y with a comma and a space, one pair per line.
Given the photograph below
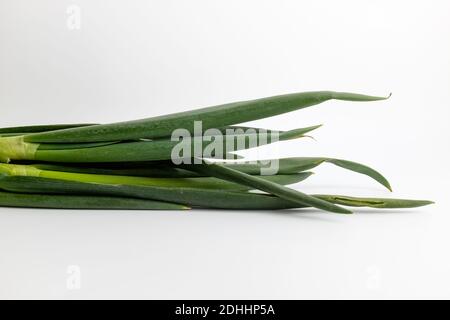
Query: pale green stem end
15, 148
19, 170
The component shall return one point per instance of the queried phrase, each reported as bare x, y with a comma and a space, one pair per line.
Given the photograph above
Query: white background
134, 59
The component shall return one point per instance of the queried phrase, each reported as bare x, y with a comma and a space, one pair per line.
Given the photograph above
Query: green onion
14, 148
197, 182
298, 164
42, 128
144, 164
146, 169
298, 197
381, 203
8, 199
204, 198
211, 117
193, 197
166, 169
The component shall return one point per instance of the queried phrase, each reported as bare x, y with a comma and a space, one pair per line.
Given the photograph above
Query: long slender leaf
225, 173
68, 146
291, 165
205, 198
161, 149
193, 197
198, 182
382, 203
42, 128
8, 199
211, 117
141, 170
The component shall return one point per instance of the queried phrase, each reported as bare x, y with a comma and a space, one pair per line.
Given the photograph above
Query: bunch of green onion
130, 165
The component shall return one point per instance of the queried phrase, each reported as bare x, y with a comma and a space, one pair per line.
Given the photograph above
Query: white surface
141, 58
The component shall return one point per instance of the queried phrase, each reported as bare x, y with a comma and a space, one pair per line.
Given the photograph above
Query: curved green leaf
298, 197
298, 164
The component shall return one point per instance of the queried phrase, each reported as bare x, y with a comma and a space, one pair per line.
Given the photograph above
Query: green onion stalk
162, 163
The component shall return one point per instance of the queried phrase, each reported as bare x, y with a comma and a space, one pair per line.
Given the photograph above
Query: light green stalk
200, 182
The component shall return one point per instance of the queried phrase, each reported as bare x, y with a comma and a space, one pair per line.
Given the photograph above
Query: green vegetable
292, 165
42, 128
205, 198
196, 182
193, 197
166, 169
8, 199
138, 169
147, 164
211, 117
14, 148
383, 203
152, 150
298, 197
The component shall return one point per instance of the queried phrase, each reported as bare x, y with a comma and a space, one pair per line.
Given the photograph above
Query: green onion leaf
298, 197
384, 203
8, 199
158, 149
42, 128
291, 165
205, 198
196, 182
211, 117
